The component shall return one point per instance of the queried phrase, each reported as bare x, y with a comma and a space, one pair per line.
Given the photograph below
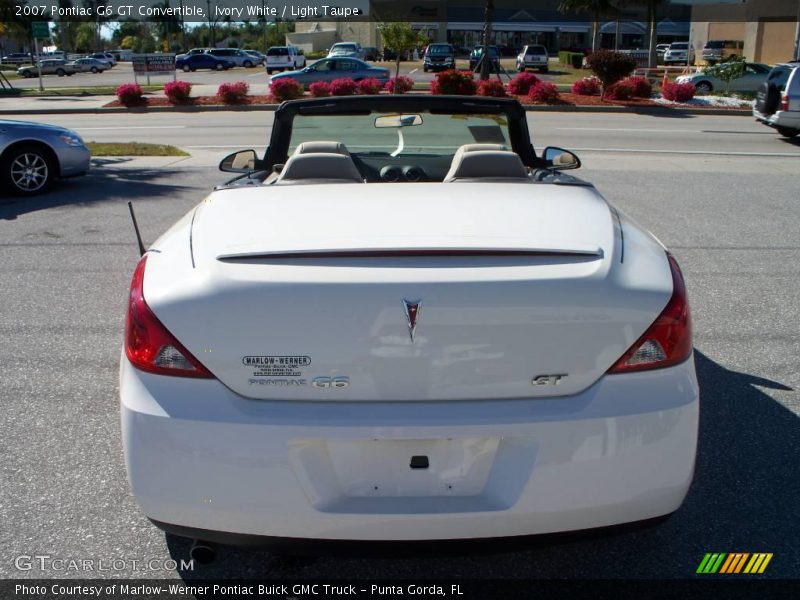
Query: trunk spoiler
421, 252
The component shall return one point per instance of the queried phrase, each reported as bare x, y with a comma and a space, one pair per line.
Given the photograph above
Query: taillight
668, 341
784, 103
148, 344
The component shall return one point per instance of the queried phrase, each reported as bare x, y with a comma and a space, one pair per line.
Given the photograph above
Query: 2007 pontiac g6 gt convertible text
401, 324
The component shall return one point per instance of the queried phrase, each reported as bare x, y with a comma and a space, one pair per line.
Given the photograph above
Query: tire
544, 69
27, 170
703, 87
94, 70
767, 98
220, 67
247, 64
186, 68
788, 132
424, 69
269, 71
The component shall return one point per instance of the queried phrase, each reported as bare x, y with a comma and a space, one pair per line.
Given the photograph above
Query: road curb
653, 110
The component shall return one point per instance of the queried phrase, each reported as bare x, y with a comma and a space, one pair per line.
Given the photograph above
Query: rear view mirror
243, 161
560, 159
397, 121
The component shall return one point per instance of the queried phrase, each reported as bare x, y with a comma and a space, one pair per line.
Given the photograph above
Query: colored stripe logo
731, 563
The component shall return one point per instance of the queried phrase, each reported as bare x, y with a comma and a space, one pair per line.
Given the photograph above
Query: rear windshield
345, 47
278, 51
715, 44
436, 135
440, 49
679, 46
536, 50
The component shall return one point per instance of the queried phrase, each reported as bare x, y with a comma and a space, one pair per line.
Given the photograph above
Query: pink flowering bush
678, 92
543, 93
521, 84
588, 86
286, 88
130, 94
640, 86
452, 82
370, 86
399, 85
178, 92
344, 86
619, 91
492, 87
231, 93
320, 89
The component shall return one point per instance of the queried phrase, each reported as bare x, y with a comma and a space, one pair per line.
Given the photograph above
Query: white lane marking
413, 71
201, 147
626, 129
132, 127
709, 152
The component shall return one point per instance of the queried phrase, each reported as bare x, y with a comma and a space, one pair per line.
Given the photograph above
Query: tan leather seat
319, 167
323, 146
482, 165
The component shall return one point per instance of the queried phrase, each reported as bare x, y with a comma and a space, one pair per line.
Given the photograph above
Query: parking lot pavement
731, 221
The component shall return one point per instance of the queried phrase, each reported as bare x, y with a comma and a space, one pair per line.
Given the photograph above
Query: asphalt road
731, 221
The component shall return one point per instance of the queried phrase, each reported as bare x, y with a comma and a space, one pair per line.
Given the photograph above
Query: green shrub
572, 59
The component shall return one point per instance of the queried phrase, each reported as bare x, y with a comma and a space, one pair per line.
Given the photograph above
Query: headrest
493, 164
320, 165
322, 146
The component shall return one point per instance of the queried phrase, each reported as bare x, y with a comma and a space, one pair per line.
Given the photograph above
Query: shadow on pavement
108, 180
743, 498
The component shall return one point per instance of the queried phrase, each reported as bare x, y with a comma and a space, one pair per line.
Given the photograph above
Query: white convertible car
402, 324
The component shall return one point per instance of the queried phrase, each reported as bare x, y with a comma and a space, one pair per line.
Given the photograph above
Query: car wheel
424, 69
220, 66
703, 87
27, 169
544, 69
94, 69
60, 72
788, 132
269, 71
248, 64
186, 68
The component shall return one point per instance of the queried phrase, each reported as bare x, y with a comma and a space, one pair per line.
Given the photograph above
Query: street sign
40, 30
153, 64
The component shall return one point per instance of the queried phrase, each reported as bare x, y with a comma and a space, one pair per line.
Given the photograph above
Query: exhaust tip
203, 553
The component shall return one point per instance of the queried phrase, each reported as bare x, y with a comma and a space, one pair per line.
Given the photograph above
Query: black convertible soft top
401, 103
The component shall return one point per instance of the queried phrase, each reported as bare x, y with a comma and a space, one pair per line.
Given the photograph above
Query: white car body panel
201, 456
487, 327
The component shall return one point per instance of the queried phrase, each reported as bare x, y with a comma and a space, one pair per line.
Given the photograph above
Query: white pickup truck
284, 58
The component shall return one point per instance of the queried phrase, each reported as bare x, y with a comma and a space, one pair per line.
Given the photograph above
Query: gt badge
413, 309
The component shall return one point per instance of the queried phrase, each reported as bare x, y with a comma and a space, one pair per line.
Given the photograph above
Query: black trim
369, 548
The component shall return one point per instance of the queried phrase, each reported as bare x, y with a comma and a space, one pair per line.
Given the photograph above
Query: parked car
328, 69
33, 155
438, 57
755, 74
192, 62
106, 57
284, 58
371, 53
718, 50
54, 66
90, 65
17, 58
494, 56
460, 341
778, 99
258, 56
661, 49
533, 57
679, 53
235, 56
347, 50
196, 51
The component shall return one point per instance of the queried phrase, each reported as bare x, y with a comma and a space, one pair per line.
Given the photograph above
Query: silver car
55, 66
778, 99
533, 57
347, 50
328, 69
754, 75
90, 65
32, 155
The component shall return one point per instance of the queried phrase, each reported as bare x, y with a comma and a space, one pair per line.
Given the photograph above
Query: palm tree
652, 9
597, 8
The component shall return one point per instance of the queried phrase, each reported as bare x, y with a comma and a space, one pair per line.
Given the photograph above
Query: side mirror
560, 159
243, 161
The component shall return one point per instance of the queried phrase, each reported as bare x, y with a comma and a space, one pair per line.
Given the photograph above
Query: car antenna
136, 229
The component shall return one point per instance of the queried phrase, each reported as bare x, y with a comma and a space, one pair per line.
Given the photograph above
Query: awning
522, 27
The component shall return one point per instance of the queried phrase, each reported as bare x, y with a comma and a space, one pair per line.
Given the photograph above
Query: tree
610, 67
652, 10
728, 70
85, 37
596, 8
128, 43
399, 37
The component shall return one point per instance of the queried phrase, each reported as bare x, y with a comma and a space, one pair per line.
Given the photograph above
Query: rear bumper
781, 118
200, 457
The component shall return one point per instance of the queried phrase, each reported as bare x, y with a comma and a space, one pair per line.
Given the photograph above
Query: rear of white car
284, 58
486, 376
533, 57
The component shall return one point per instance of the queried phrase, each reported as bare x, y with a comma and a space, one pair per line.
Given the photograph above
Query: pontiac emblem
412, 308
